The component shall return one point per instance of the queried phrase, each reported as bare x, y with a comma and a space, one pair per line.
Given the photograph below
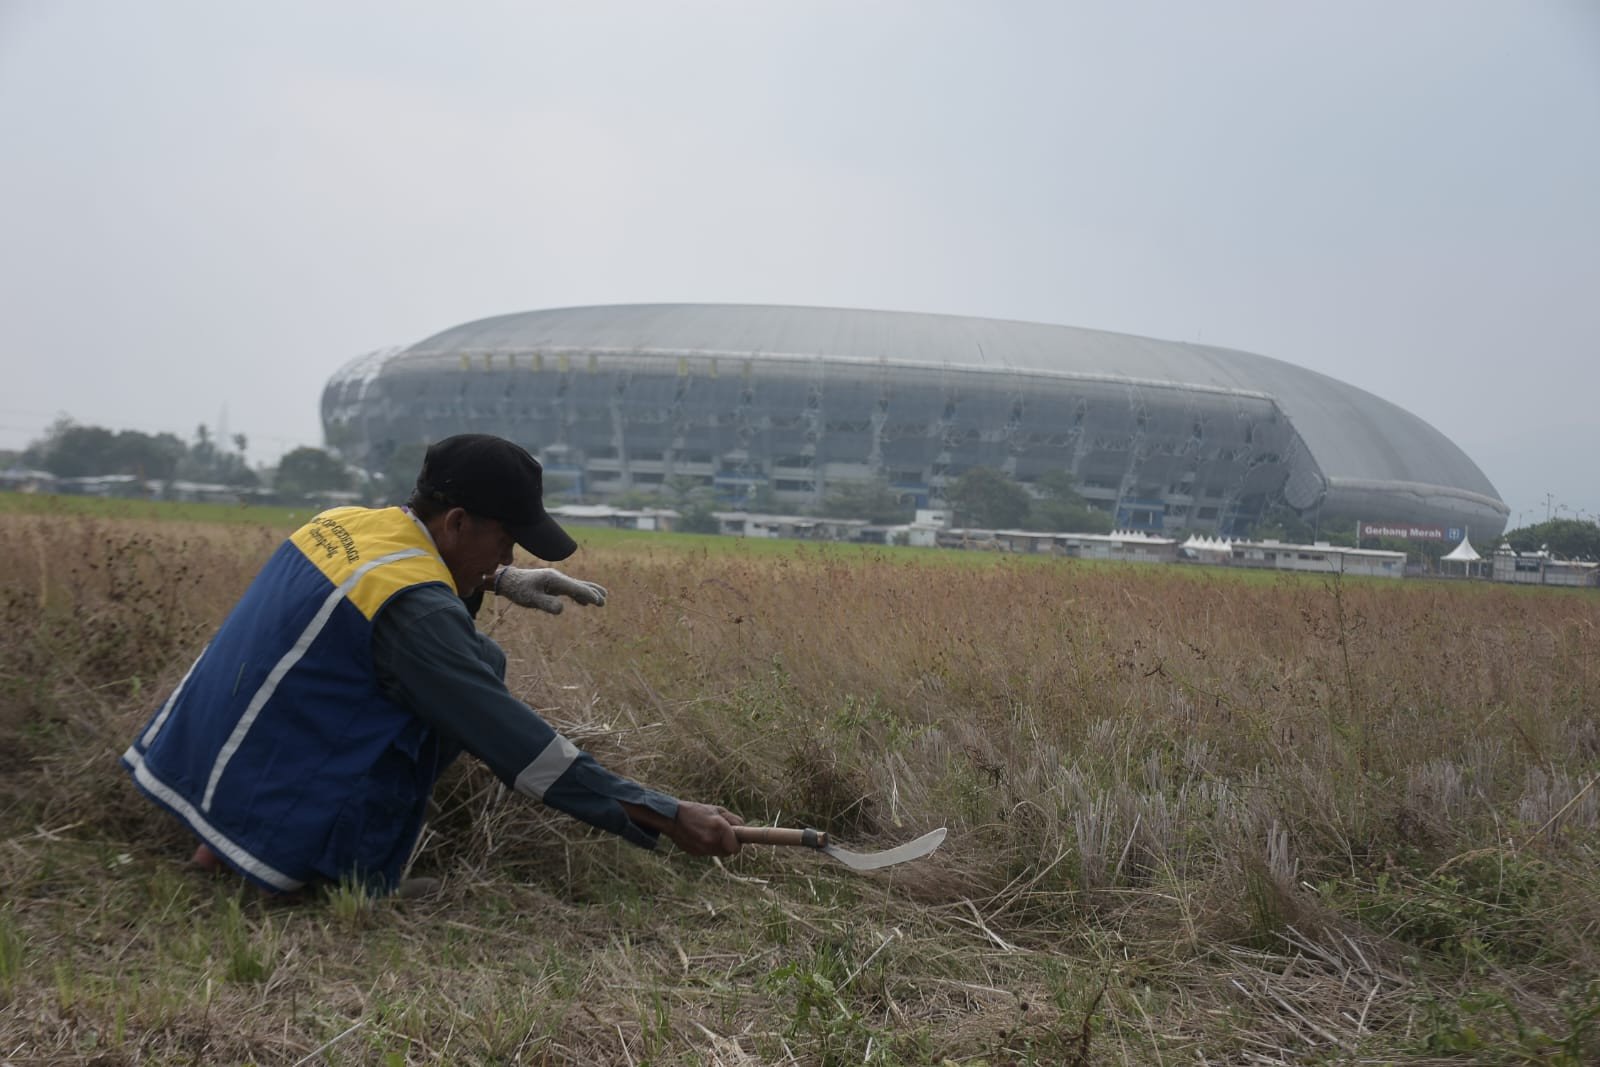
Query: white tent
1465, 555
1206, 549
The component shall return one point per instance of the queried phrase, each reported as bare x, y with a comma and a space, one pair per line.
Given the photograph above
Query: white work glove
542, 588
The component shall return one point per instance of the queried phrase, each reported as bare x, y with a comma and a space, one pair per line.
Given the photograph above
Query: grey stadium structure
1161, 435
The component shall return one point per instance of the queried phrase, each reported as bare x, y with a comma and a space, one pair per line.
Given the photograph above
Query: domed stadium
787, 402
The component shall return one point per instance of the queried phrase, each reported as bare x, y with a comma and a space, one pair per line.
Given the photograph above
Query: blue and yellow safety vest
277, 748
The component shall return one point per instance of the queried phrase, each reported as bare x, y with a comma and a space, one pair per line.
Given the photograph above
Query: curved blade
870, 861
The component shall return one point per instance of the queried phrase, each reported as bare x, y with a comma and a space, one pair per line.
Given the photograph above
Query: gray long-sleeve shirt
431, 660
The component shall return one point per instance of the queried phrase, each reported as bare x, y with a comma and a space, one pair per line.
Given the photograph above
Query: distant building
115, 485
22, 480
1541, 568
803, 527
1129, 546
662, 519
1320, 558
207, 492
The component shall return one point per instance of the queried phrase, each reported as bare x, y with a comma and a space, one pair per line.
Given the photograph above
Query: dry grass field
1193, 820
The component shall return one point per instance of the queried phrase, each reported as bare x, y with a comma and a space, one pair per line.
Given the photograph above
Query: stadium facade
1159, 434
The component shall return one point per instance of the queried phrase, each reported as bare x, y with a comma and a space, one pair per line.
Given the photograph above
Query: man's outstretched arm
432, 661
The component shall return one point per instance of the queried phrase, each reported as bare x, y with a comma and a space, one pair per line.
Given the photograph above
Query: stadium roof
1361, 442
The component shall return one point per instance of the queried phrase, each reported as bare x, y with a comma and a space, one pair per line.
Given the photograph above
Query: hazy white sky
209, 207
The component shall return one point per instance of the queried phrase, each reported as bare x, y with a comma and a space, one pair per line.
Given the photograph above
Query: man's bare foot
207, 860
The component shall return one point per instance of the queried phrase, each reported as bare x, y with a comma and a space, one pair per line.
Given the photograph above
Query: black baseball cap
495, 479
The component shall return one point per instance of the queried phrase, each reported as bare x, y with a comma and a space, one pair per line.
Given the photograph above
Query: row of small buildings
1541, 568
931, 530
133, 487
126, 487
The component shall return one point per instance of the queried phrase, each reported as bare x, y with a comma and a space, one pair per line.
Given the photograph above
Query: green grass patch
278, 518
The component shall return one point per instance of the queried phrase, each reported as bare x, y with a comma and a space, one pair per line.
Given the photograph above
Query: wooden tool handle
780, 835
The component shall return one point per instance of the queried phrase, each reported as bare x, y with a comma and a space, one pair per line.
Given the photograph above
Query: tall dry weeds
1208, 816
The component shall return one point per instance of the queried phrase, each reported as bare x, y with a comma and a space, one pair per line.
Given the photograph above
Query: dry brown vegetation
1194, 819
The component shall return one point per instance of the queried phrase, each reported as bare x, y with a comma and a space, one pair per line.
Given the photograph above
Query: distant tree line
1569, 538
69, 450
986, 498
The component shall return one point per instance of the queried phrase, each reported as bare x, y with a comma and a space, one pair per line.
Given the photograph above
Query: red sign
1405, 530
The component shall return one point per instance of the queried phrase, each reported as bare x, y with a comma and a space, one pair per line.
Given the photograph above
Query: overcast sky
206, 208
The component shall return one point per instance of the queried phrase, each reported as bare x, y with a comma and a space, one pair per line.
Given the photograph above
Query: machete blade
871, 861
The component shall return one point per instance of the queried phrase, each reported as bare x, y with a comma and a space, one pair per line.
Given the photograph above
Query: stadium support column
815, 421
877, 421
619, 424
1129, 482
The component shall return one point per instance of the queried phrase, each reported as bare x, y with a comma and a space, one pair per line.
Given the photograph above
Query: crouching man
304, 742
